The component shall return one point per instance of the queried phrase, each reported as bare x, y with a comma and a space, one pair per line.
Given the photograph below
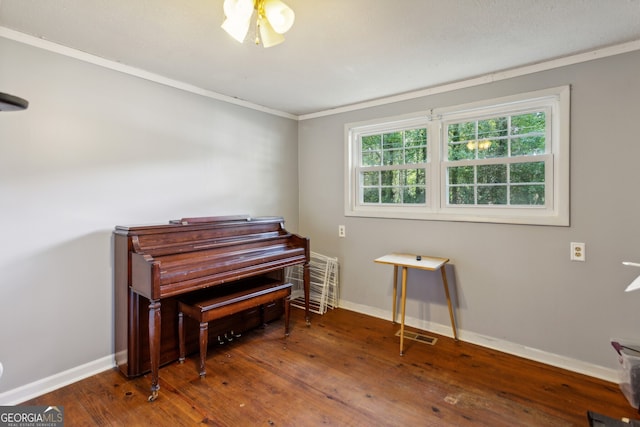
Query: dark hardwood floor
344, 370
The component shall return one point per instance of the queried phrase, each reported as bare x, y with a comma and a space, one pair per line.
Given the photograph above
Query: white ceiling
339, 52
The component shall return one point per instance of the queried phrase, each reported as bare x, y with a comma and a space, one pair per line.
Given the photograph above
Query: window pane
462, 151
392, 140
461, 195
461, 140
415, 176
528, 123
413, 195
492, 174
370, 195
527, 195
370, 178
529, 145
415, 155
393, 157
461, 175
371, 158
492, 128
492, 195
459, 132
371, 142
491, 148
415, 137
391, 195
527, 172
392, 177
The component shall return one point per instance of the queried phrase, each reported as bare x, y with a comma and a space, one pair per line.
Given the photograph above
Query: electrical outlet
578, 252
341, 231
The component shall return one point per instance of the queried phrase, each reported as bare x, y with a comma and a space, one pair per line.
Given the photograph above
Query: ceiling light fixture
273, 19
12, 103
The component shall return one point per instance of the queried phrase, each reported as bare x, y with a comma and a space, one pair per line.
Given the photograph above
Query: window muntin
502, 160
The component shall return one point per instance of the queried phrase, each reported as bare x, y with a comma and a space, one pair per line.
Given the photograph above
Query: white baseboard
56, 381
552, 359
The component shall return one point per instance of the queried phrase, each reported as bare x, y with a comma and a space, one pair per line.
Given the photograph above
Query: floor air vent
419, 337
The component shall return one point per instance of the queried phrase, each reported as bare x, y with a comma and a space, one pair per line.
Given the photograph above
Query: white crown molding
136, 72
484, 79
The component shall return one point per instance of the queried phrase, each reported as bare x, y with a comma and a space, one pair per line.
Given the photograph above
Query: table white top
409, 260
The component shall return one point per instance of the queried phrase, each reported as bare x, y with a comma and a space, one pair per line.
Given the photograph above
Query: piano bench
216, 306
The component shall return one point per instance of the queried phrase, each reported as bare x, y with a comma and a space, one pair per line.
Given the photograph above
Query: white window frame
398, 123
555, 101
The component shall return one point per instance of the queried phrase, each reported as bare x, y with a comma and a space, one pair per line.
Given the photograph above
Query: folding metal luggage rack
323, 286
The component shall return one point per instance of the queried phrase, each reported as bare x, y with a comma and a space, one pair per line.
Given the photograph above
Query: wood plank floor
344, 370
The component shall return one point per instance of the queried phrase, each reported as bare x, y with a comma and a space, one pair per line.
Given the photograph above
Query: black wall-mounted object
12, 103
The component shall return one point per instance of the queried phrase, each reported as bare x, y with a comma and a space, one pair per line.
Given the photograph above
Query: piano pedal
221, 341
236, 335
228, 338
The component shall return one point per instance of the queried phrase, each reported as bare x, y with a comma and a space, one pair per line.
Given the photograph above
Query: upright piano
154, 265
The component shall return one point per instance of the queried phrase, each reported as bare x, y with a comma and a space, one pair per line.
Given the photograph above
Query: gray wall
98, 148
516, 287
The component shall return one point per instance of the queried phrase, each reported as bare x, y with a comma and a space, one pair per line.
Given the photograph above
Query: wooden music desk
424, 263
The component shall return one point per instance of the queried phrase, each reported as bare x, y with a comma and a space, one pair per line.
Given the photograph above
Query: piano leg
204, 343
154, 346
181, 337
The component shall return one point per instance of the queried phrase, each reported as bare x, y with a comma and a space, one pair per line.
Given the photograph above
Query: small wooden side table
407, 261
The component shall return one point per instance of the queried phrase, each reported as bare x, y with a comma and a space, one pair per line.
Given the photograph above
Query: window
497, 160
393, 167
503, 160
